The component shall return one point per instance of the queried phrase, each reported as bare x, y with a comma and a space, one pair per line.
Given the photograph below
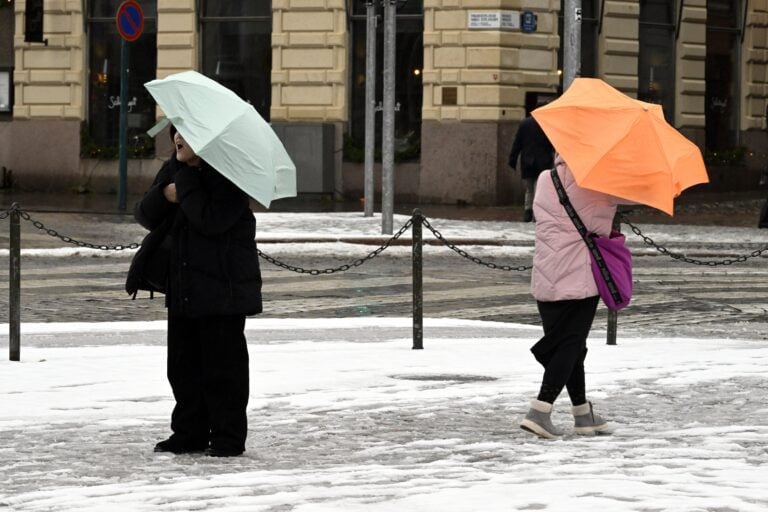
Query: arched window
409, 61
656, 62
236, 40
101, 138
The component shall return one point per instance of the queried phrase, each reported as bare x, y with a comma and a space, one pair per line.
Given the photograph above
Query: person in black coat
212, 282
535, 152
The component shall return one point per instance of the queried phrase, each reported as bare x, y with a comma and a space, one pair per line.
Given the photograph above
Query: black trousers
563, 348
208, 373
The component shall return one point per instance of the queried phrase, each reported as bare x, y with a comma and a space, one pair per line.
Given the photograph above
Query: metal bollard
418, 295
613, 316
14, 291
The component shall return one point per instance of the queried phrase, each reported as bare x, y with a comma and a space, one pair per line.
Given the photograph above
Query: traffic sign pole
572, 44
130, 24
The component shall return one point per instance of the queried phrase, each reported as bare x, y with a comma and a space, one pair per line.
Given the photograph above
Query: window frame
105, 149
413, 151
7, 115
204, 21
670, 27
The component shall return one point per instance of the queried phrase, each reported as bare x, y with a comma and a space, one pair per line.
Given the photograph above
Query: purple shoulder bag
611, 260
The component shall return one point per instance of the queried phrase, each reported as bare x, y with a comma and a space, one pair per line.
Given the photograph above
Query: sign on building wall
494, 20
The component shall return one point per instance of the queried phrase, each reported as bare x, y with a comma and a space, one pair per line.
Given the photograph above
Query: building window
237, 48
722, 74
101, 136
6, 60
6, 92
409, 62
656, 62
589, 33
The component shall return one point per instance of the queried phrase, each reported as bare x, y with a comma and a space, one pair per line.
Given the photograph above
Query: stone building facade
464, 85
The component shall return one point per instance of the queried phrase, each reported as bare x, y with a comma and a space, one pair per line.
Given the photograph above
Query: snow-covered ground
344, 416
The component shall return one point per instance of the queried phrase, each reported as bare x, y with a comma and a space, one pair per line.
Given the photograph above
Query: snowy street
345, 416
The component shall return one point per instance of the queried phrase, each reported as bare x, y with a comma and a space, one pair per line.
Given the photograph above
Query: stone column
309, 74
690, 70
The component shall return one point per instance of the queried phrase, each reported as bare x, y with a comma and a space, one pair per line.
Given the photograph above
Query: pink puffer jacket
561, 260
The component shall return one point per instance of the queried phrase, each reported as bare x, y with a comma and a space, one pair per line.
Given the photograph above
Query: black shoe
527, 215
223, 452
174, 445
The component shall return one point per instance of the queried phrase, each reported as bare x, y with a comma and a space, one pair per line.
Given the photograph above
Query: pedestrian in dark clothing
535, 152
213, 281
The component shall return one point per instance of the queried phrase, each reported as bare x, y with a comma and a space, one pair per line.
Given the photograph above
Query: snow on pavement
345, 416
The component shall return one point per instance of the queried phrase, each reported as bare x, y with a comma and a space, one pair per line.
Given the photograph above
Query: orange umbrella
621, 146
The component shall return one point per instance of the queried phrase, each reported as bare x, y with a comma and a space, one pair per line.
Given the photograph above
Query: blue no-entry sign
130, 20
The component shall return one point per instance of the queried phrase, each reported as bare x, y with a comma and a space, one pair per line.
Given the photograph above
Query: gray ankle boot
538, 420
587, 422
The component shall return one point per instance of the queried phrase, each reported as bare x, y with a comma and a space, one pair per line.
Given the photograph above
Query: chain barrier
681, 257
465, 254
341, 268
646, 239
52, 232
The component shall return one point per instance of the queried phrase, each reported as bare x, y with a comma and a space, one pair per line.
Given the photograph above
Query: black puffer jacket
534, 148
214, 266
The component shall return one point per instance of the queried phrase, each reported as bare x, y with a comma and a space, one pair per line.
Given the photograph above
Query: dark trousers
563, 348
208, 373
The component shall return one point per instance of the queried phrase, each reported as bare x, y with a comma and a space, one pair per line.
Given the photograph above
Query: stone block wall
479, 74
50, 80
177, 40
309, 60
691, 70
618, 45
754, 112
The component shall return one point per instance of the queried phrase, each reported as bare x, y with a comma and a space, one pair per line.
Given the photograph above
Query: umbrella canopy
228, 133
621, 146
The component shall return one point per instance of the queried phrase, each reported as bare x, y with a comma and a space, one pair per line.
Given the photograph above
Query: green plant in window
139, 146
406, 150
353, 151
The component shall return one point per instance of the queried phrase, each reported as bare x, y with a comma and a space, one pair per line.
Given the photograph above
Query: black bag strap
582, 229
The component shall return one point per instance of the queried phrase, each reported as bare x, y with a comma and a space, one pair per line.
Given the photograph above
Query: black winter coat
535, 148
214, 265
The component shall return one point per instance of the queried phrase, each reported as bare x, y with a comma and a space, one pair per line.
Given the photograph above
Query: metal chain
342, 268
52, 232
682, 257
465, 254
648, 241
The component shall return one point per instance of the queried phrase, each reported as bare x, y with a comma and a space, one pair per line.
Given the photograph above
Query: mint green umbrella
228, 133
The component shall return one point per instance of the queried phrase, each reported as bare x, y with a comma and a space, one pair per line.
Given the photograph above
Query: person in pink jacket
567, 297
